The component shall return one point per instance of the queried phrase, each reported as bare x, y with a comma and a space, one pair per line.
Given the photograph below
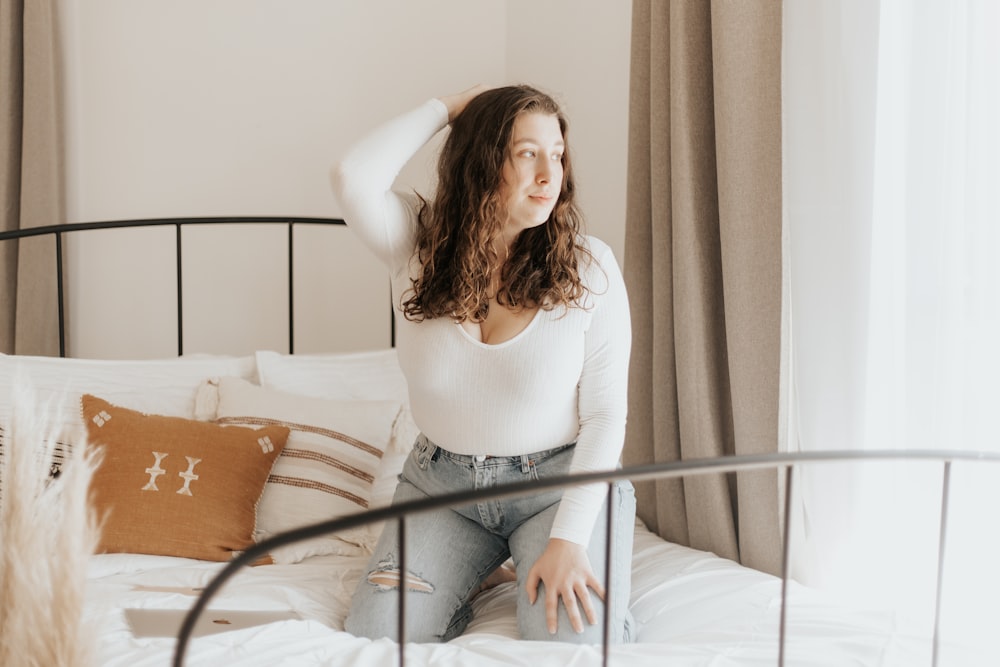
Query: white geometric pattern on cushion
327, 468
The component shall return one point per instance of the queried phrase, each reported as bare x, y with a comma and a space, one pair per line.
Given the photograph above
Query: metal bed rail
788, 462
59, 231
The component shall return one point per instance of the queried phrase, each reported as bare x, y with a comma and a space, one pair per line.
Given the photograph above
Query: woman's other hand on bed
565, 570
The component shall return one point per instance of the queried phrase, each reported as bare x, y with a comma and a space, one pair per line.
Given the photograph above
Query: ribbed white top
562, 379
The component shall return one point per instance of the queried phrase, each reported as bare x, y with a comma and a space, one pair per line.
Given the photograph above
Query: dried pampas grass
47, 533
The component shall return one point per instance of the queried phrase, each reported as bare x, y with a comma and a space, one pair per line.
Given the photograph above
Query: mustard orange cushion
176, 487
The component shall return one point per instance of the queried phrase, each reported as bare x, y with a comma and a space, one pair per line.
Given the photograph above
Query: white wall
238, 107
578, 50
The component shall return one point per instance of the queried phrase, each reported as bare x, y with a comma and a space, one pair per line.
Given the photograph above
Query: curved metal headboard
58, 231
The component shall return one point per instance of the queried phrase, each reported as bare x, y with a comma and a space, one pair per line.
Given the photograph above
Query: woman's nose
544, 174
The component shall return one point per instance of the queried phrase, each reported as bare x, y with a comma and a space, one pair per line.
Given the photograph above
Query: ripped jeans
451, 551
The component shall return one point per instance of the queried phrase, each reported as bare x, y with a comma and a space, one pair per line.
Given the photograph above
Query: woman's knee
375, 608
421, 628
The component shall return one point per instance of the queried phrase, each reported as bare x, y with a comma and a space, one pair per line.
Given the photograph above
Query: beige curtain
703, 266
31, 173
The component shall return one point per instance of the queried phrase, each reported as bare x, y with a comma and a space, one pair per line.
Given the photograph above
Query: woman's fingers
573, 599
531, 584
552, 610
456, 103
565, 571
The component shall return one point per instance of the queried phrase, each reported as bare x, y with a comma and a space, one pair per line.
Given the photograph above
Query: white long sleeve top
563, 379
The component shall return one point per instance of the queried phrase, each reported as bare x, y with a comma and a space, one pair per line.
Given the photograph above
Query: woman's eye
532, 154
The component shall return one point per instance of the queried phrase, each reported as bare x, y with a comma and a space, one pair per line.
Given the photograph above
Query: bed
283, 599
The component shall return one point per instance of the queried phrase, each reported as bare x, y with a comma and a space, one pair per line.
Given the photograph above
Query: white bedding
692, 608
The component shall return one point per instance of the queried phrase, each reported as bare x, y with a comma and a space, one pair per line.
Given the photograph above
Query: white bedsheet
692, 609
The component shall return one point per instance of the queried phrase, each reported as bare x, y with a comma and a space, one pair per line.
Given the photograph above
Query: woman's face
533, 173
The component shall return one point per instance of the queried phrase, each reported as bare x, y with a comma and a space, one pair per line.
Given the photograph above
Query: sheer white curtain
892, 211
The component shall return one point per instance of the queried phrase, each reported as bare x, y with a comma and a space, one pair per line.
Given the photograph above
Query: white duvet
692, 608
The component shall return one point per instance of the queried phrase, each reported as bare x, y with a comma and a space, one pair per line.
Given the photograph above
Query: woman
514, 340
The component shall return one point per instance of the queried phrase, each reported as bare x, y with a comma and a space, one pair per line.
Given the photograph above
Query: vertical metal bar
785, 558
180, 294
291, 289
401, 630
59, 295
392, 320
942, 536
608, 593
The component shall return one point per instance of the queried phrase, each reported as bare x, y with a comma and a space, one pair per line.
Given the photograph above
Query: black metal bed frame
58, 231
788, 462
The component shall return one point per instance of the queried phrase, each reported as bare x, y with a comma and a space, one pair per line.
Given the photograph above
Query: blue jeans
450, 552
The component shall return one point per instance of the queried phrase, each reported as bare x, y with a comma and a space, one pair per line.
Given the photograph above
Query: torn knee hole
388, 579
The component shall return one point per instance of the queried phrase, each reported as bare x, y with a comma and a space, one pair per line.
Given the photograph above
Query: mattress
692, 608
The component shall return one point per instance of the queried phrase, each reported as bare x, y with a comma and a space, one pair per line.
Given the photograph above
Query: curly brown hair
457, 230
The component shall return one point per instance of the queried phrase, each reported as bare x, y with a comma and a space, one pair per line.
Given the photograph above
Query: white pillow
364, 375
327, 469
386, 480
373, 375
156, 386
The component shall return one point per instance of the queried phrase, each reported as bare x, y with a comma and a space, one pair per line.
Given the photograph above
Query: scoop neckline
490, 346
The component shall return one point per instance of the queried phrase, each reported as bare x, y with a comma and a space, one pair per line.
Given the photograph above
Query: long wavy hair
458, 230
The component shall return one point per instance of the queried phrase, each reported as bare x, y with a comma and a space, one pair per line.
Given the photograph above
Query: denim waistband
473, 459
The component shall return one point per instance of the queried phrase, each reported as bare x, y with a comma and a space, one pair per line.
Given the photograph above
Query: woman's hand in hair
565, 570
456, 103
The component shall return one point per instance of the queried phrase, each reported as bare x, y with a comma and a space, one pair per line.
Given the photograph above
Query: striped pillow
326, 470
